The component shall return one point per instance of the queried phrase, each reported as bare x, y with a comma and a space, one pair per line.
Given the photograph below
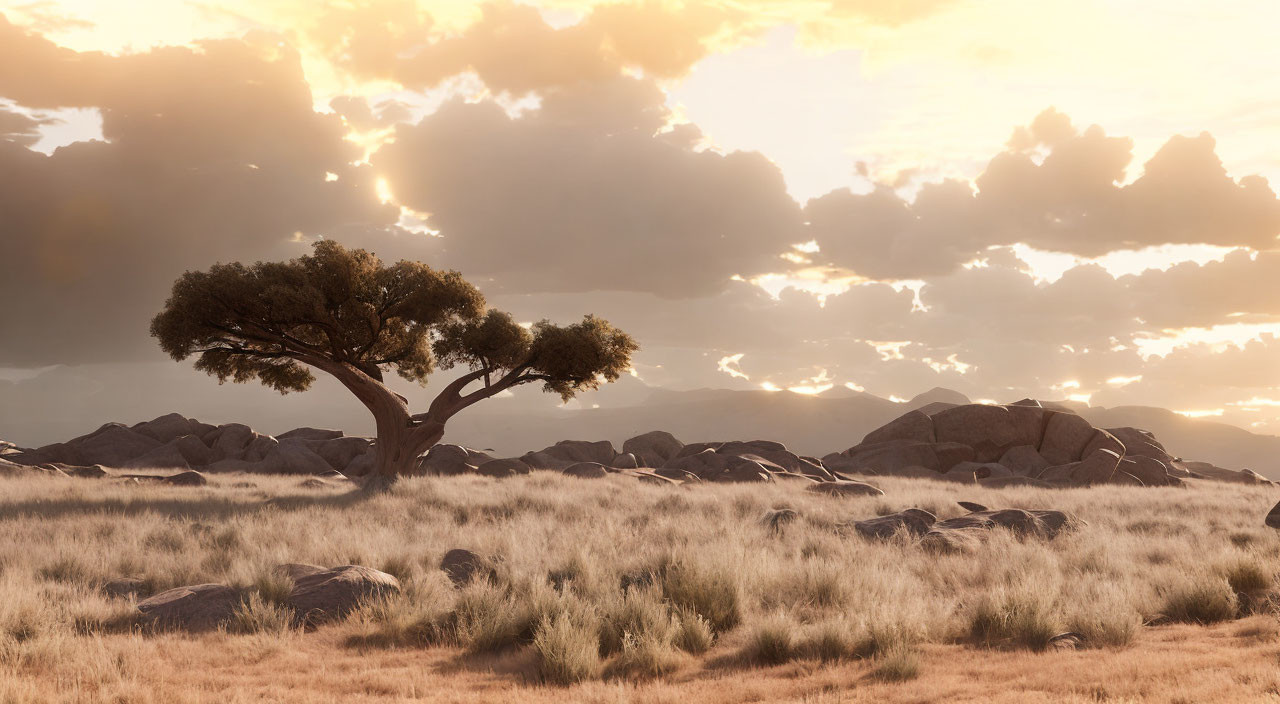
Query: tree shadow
195, 507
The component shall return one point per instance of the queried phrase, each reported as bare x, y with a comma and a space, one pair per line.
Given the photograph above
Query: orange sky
891, 147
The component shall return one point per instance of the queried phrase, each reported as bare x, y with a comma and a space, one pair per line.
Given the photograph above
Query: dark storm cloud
211, 154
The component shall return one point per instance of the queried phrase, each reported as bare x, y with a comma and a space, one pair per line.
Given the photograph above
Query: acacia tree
345, 313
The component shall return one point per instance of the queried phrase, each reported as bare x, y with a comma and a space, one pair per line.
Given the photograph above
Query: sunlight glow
1124, 380
1201, 414
729, 365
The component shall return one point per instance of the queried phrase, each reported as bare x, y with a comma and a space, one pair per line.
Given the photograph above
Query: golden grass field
1171, 589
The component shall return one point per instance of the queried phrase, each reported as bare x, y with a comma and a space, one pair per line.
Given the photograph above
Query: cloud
212, 153
585, 193
1056, 189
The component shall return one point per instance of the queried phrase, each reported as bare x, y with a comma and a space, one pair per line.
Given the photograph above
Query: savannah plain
610, 590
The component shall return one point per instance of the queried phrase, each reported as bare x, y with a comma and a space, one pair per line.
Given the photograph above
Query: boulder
913, 425
313, 483
199, 607
192, 449
338, 452
461, 566
586, 470
989, 430
572, 451
653, 448
1148, 470
844, 488
310, 434
953, 540
502, 468
161, 457
646, 476
112, 445
890, 457
188, 478
169, 427
293, 571
913, 521
676, 474
1102, 440
362, 465
973, 471
443, 459
95, 471
1123, 478
1273, 517
704, 463
1066, 436
1141, 443
229, 441
624, 460
333, 593
741, 471
1024, 460
1059, 474
1096, 468
294, 457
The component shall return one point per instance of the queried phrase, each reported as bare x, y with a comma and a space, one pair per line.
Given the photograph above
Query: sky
1010, 199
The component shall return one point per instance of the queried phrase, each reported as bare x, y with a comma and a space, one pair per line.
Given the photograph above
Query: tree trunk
397, 448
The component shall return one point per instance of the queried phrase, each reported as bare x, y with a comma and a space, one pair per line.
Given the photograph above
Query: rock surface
333, 593
198, 607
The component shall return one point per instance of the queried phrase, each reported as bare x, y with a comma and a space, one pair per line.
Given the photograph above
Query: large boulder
188, 478
339, 452
446, 459
741, 471
112, 445
163, 457
989, 430
294, 457
572, 451
913, 425
1066, 436
1140, 443
310, 434
170, 427
890, 457
704, 463
333, 593
1024, 460
199, 607
1097, 468
1148, 470
653, 448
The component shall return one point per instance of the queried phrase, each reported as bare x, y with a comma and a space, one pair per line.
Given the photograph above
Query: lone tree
346, 313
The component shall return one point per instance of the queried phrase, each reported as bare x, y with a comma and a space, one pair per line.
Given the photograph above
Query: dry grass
630, 591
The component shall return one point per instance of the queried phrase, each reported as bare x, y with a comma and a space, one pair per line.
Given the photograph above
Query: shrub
773, 641
258, 615
898, 665
830, 641
1103, 625
639, 613
1247, 576
273, 587
693, 632
1019, 618
714, 594
568, 651
645, 656
1203, 599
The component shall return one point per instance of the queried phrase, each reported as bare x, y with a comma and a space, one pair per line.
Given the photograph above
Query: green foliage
340, 310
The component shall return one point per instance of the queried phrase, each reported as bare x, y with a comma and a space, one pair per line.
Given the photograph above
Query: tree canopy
344, 311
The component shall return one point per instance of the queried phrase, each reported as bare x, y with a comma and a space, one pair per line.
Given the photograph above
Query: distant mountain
819, 424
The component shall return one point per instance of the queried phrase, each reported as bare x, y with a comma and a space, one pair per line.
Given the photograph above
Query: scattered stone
188, 478
461, 566
1273, 517
333, 593
502, 468
845, 488
199, 607
586, 470
914, 521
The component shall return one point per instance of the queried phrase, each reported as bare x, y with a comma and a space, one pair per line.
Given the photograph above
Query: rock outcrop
1018, 444
200, 607
331, 594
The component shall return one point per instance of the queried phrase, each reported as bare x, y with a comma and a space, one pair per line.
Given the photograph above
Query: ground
807, 613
